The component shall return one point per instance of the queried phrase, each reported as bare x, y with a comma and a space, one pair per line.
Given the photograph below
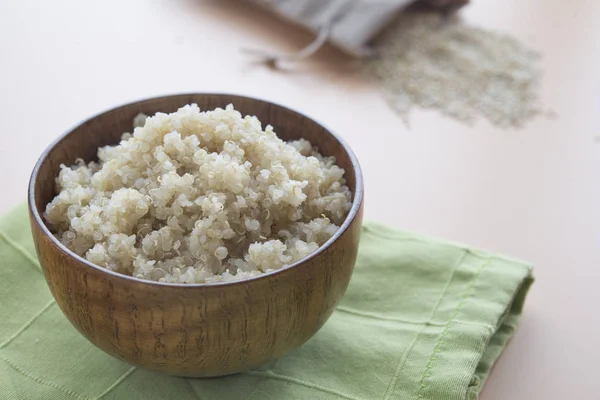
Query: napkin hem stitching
392, 385
193, 389
394, 381
43, 382
380, 317
116, 383
437, 348
20, 250
364, 314
297, 381
27, 324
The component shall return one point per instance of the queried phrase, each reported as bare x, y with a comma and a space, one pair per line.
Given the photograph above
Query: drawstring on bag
272, 59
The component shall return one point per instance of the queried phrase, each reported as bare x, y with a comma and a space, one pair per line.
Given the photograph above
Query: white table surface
532, 194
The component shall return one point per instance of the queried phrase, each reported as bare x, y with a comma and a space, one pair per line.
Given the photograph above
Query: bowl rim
357, 200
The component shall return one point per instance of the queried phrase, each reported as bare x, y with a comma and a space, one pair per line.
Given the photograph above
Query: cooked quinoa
199, 197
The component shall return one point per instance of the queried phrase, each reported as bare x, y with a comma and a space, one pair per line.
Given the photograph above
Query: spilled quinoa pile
199, 197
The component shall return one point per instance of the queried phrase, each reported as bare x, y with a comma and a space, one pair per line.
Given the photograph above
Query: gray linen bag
348, 24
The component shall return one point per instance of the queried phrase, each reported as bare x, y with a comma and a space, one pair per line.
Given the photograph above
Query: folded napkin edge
491, 305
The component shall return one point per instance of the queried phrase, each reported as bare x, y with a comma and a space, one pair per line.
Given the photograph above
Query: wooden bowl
195, 330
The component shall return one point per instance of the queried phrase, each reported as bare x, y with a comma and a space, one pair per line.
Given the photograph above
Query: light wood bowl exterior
195, 330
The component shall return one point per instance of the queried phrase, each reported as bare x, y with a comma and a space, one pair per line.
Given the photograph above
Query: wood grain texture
195, 330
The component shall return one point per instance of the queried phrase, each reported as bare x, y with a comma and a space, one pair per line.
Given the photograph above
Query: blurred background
532, 193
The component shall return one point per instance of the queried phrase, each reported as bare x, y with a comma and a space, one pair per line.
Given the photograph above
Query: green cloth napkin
422, 319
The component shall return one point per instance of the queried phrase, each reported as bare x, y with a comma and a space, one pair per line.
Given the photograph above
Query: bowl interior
106, 129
